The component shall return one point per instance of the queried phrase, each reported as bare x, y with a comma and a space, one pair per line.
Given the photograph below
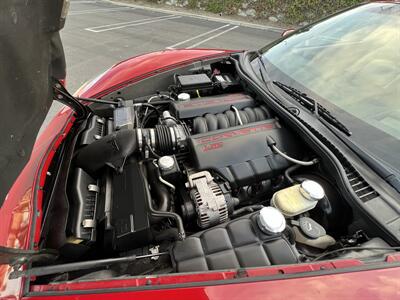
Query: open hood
31, 58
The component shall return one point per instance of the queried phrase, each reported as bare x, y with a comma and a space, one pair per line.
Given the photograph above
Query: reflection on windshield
353, 61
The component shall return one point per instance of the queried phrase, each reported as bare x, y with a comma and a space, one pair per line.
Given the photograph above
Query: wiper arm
262, 67
325, 115
313, 106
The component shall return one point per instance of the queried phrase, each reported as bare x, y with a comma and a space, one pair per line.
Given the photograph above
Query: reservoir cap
312, 190
271, 220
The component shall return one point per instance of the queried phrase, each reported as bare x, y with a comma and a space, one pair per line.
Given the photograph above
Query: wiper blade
313, 106
262, 67
325, 115
260, 59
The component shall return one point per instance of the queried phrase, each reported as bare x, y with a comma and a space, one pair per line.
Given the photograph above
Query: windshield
351, 64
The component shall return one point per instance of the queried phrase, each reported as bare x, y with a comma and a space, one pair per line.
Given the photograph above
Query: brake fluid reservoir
299, 198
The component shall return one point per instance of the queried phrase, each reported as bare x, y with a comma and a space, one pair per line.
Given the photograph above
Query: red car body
340, 279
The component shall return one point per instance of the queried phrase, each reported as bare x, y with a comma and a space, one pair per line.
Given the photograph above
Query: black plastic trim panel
232, 245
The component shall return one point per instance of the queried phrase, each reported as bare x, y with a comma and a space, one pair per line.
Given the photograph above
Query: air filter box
129, 213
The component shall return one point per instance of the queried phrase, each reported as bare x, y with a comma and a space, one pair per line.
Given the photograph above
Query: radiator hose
161, 192
162, 214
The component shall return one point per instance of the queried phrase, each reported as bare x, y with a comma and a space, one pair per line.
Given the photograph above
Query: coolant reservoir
299, 198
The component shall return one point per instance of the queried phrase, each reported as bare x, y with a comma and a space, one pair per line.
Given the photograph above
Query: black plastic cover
236, 244
311, 228
95, 130
226, 81
129, 213
194, 82
83, 206
241, 155
212, 105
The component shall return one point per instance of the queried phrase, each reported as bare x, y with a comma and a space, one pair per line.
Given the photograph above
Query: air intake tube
113, 149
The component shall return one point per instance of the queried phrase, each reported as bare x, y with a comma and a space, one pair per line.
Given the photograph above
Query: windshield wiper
330, 121
313, 106
262, 66
306, 101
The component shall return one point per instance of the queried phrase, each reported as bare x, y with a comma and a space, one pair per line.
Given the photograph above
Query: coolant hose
162, 214
290, 235
160, 191
247, 209
170, 234
271, 143
289, 171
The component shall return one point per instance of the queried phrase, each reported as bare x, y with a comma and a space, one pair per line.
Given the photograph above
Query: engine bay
200, 176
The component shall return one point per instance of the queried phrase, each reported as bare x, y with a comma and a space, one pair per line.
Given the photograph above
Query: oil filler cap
166, 163
271, 221
183, 97
310, 228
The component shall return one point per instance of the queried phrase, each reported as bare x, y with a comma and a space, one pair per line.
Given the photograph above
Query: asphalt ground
98, 34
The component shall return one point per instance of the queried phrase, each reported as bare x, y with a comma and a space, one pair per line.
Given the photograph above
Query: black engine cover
211, 105
241, 155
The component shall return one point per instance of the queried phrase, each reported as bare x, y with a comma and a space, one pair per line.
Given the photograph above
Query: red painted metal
395, 257
164, 280
16, 214
373, 284
143, 66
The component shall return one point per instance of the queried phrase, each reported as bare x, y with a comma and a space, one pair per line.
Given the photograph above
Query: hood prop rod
76, 266
63, 96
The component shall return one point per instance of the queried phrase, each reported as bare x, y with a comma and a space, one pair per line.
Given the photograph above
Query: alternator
210, 201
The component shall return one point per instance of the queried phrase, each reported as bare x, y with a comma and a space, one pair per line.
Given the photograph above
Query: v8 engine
204, 171
219, 142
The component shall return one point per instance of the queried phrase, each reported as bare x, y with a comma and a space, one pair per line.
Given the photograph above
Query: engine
205, 171
216, 145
